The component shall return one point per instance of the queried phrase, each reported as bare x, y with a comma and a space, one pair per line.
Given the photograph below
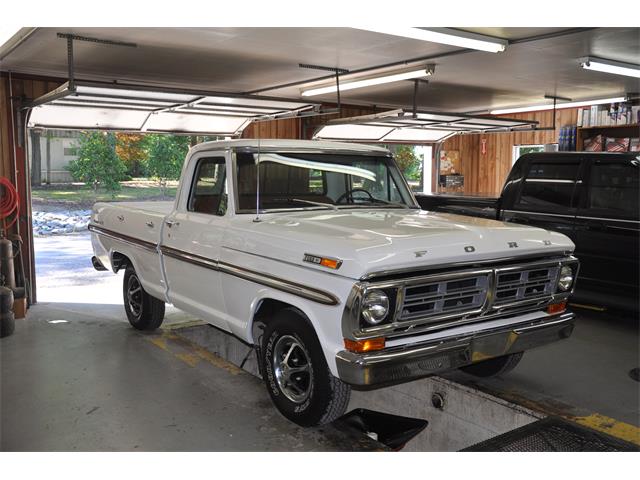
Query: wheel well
119, 261
265, 312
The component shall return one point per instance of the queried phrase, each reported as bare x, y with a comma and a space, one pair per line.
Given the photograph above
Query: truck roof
270, 144
599, 155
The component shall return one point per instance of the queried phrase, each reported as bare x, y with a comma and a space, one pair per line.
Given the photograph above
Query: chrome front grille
451, 296
477, 293
522, 285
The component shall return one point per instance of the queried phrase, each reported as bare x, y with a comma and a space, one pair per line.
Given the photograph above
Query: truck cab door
607, 227
191, 238
547, 195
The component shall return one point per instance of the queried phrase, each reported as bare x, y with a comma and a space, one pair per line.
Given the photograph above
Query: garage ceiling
538, 61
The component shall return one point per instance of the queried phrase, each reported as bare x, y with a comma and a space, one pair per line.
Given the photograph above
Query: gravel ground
60, 222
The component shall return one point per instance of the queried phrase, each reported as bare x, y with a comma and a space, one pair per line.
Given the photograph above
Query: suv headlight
565, 281
375, 307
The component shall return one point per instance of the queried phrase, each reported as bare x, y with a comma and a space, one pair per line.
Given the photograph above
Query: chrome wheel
292, 369
134, 295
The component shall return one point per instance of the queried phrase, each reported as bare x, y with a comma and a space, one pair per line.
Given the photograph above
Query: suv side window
209, 189
549, 185
613, 187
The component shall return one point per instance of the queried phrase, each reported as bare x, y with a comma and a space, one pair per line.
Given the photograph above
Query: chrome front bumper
408, 362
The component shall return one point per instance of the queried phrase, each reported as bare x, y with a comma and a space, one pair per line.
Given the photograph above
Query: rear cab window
209, 188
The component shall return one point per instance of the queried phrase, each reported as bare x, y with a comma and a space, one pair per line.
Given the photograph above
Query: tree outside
98, 164
132, 150
410, 164
165, 156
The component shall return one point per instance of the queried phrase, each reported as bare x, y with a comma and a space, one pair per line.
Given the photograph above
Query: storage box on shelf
607, 131
618, 122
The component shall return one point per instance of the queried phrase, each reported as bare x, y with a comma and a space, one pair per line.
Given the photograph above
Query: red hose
9, 202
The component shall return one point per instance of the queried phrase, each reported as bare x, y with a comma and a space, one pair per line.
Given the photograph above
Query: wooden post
48, 179
36, 158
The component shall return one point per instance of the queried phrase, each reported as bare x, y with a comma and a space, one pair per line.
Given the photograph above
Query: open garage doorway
70, 171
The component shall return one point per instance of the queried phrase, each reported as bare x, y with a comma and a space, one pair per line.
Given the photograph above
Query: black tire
324, 397
494, 366
6, 300
7, 324
144, 311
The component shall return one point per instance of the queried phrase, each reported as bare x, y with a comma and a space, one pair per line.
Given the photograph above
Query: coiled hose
9, 203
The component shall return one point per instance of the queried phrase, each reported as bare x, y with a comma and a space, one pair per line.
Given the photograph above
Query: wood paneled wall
286, 128
12, 145
6, 159
485, 173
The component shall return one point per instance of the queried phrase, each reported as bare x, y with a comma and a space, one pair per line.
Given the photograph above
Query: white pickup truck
318, 255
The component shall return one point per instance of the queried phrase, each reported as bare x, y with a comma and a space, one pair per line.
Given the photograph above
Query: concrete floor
93, 383
588, 374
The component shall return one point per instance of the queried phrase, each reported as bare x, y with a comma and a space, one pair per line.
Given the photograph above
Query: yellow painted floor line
179, 325
194, 354
610, 426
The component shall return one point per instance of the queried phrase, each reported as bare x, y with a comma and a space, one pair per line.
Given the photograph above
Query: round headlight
375, 307
566, 278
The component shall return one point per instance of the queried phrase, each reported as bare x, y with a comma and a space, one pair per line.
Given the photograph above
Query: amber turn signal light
556, 308
330, 263
361, 346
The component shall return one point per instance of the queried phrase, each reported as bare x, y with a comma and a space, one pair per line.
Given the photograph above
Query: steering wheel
350, 193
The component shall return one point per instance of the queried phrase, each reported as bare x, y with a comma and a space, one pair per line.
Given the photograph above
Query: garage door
404, 126
101, 106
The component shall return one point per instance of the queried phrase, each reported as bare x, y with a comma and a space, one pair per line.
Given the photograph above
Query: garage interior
76, 377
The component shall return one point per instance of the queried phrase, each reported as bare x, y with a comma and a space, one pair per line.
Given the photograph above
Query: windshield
313, 180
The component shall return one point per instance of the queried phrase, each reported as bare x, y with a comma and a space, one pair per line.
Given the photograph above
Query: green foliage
531, 149
97, 163
132, 150
409, 163
165, 156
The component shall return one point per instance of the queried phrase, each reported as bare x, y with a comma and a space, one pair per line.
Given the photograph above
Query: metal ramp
553, 434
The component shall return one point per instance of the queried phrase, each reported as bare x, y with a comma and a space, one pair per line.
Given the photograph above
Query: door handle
150, 224
171, 223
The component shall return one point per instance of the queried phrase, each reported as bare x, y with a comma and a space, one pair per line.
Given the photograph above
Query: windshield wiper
319, 204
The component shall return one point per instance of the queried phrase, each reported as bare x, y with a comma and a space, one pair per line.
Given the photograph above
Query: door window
549, 185
613, 188
209, 189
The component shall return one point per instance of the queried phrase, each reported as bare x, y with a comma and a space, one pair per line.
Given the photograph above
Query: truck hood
369, 241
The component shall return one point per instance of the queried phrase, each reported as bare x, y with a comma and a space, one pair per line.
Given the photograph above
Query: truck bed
163, 208
475, 206
140, 220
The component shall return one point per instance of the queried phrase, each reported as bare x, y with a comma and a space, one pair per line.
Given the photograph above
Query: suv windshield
319, 180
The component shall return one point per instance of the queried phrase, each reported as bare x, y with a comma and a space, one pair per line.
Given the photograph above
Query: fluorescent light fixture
537, 108
447, 36
368, 82
610, 66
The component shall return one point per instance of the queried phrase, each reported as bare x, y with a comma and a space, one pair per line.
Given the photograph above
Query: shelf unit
617, 131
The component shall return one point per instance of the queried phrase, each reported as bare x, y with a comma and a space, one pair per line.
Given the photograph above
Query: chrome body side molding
277, 283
